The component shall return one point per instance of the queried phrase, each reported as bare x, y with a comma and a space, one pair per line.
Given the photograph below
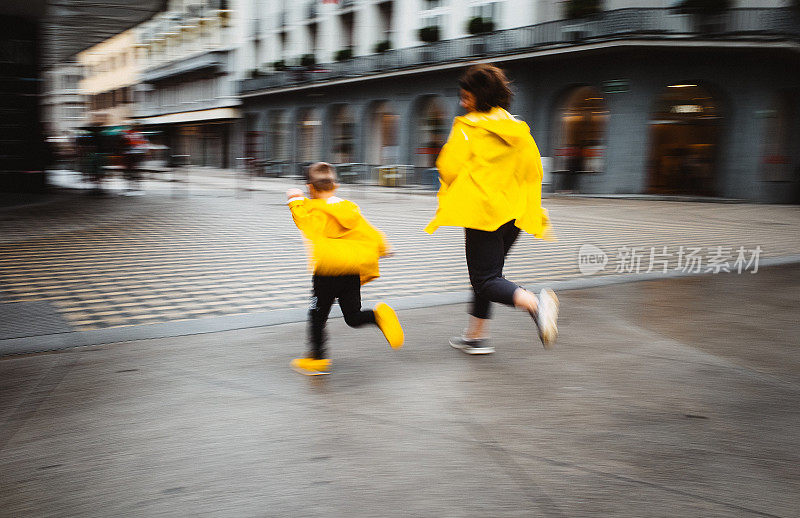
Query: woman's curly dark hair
489, 85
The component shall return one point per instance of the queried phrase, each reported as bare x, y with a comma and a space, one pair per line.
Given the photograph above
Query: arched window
581, 147
309, 134
431, 132
383, 138
343, 129
278, 136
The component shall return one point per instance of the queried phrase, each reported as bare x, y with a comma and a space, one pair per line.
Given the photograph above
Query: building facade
186, 98
639, 98
110, 73
63, 103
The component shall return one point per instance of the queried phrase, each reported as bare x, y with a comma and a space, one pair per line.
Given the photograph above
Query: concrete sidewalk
674, 397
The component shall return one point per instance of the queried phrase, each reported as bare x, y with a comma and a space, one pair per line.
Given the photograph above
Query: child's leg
321, 301
349, 295
383, 316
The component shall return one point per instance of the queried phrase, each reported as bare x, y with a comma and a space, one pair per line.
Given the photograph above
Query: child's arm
297, 204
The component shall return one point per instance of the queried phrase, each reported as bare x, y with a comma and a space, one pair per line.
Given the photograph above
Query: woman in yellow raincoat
491, 184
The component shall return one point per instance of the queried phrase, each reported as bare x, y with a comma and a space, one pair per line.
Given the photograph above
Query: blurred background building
698, 97
187, 98
111, 72
622, 96
46, 35
64, 103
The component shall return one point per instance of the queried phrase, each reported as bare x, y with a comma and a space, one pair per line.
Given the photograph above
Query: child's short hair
322, 176
489, 86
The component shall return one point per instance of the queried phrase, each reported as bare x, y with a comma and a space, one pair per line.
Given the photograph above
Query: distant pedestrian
134, 150
344, 251
491, 184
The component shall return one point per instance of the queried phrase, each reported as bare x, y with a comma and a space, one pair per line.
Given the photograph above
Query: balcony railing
656, 23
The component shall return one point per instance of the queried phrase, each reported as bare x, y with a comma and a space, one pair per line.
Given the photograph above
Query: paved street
669, 397
666, 398
83, 262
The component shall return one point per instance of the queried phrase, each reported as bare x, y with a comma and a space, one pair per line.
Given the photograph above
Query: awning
213, 114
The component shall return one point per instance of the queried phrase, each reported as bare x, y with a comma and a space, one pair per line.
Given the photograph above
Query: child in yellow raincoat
491, 184
344, 250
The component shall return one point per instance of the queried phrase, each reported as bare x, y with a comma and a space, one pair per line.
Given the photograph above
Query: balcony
210, 63
763, 24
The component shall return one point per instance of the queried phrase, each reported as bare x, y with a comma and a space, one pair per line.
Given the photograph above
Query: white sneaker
471, 346
547, 319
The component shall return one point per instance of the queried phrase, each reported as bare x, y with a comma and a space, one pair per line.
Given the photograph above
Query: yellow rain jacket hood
491, 173
340, 240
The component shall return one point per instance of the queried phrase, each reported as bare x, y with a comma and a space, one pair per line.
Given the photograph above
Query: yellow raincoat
341, 241
491, 173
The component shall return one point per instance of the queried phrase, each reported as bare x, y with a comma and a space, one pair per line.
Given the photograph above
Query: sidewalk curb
60, 341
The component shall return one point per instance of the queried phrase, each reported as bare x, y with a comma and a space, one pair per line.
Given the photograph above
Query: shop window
684, 136
777, 156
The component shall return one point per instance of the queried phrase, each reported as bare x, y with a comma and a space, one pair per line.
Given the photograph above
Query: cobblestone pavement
108, 261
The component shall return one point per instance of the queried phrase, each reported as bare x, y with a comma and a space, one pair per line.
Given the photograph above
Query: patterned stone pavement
114, 261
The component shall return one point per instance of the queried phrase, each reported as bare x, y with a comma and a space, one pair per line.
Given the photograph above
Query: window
214, 88
490, 10
433, 21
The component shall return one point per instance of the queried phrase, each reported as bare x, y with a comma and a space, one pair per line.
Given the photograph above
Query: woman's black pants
486, 254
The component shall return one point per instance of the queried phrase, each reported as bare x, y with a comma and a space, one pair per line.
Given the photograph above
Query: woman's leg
485, 253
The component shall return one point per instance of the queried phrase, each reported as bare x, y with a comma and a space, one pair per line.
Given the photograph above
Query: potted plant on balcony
582, 8
476, 27
705, 13
429, 34
479, 25
343, 55
279, 66
308, 60
383, 46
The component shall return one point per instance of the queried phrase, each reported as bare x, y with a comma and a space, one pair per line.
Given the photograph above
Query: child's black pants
346, 288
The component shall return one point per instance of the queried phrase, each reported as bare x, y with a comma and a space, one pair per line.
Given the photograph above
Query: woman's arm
454, 154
